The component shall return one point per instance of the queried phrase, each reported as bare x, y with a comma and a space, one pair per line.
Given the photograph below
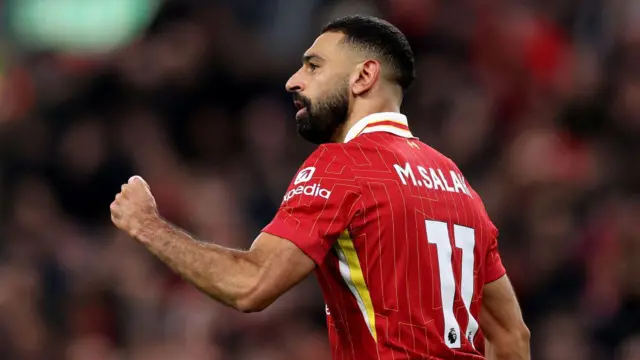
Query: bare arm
502, 324
245, 280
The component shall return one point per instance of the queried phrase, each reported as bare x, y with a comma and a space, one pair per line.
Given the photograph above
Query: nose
295, 83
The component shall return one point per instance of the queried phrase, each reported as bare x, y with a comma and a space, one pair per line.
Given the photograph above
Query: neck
359, 112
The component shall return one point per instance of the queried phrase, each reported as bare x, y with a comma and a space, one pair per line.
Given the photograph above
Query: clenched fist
134, 206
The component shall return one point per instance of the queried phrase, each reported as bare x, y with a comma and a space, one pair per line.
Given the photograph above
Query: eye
312, 67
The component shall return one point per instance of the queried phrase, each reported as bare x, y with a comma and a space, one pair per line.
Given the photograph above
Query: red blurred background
537, 101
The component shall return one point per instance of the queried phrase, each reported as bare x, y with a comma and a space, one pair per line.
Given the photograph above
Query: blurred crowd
537, 101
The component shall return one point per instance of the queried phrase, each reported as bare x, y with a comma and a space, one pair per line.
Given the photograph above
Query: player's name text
431, 178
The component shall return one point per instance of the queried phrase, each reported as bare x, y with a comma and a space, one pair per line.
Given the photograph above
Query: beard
322, 118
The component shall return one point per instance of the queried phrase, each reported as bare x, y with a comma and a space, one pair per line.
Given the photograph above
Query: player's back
415, 256
403, 245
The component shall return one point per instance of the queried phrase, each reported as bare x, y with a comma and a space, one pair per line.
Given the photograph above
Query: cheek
322, 84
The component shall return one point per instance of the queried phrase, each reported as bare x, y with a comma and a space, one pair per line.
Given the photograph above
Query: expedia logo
304, 175
310, 190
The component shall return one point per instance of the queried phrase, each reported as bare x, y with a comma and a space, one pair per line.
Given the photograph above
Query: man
402, 246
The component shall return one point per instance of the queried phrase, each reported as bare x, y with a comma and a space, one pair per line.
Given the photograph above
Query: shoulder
327, 161
323, 179
333, 156
334, 151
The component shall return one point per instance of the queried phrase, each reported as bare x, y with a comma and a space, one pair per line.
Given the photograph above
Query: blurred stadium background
538, 102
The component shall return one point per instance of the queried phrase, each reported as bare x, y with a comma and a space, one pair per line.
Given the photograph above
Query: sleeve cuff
496, 273
312, 247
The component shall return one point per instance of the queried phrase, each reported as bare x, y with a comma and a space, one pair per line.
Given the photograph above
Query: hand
134, 206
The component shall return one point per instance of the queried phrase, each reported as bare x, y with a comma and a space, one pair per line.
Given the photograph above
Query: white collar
391, 122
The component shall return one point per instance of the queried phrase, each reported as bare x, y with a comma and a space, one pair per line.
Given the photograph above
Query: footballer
402, 246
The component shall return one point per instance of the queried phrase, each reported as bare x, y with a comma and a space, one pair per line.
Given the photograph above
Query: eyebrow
309, 57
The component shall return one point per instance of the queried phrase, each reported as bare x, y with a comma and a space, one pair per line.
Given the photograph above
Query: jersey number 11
464, 239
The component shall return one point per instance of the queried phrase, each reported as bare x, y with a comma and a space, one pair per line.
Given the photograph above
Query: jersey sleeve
495, 270
319, 204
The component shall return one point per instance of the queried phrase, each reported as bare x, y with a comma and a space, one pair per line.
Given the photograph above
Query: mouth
301, 113
302, 109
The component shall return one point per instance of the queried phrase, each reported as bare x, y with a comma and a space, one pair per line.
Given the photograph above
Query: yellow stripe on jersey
354, 278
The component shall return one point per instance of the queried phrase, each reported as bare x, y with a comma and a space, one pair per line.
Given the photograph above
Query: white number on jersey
464, 238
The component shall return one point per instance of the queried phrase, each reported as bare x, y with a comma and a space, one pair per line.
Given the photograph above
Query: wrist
147, 228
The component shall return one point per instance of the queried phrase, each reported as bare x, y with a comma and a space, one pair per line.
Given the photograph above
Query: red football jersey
403, 245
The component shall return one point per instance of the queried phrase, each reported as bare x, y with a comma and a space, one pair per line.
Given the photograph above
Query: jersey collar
391, 122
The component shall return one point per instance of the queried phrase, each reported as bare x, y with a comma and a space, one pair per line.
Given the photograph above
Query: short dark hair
380, 38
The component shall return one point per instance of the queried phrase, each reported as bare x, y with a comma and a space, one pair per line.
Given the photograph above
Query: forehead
326, 45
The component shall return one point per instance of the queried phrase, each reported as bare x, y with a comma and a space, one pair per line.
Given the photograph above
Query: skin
250, 280
244, 280
502, 324
368, 86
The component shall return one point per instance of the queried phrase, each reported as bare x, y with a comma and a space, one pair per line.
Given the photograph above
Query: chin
313, 130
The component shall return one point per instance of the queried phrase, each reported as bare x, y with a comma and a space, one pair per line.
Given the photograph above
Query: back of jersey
427, 245
403, 245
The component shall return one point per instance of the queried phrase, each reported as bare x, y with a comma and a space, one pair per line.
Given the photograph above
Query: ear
365, 77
